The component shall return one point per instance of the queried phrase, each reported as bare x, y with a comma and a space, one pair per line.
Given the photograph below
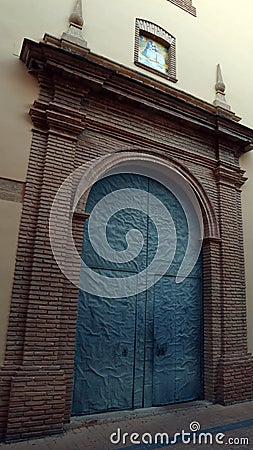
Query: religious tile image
153, 54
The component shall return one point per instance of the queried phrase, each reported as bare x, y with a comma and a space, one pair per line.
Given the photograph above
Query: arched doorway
145, 349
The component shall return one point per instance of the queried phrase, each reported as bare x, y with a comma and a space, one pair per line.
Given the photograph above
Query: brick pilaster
235, 365
37, 399
212, 316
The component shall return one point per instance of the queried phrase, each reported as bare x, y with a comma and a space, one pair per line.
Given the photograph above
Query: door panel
105, 352
188, 318
140, 344
177, 338
180, 221
164, 370
149, 350
119, 225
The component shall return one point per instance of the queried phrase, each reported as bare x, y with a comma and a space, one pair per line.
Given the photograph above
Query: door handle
161, 349
125, 351
158, 350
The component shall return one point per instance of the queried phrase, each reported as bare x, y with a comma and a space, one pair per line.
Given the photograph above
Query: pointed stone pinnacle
74, 34
77, 17
220, 99
219, 86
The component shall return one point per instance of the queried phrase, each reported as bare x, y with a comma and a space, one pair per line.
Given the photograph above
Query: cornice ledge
234, 131
67, 43
64, 123
109, 76
229, 175
135, 138
38, 115
95, 70
220, 112
212, 239
65, 111
178, 110
54, 116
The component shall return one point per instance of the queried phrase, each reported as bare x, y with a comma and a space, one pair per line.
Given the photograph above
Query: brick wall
186, 5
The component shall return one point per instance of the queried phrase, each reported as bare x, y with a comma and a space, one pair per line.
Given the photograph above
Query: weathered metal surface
105, 353
142, 350
177, 341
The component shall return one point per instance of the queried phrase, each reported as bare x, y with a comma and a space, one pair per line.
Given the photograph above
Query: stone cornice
92, 72
58, 118
229, 174
143, 140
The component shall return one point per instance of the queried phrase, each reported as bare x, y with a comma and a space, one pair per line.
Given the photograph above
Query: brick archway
146, 163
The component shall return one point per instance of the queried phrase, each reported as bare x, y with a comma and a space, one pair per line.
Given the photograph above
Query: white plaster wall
221, 33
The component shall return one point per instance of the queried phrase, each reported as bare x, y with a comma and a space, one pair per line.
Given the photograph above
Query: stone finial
74, 34
220, 99
76, 18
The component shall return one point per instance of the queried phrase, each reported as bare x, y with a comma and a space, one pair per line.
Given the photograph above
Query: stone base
36, 403
234, 382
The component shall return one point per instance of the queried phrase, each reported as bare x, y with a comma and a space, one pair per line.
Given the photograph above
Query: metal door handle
158, 350
125, 351
161, 349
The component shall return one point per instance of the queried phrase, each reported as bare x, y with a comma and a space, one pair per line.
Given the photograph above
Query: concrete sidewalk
228, 427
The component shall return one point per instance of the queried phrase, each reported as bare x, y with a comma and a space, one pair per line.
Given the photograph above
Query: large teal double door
145, 349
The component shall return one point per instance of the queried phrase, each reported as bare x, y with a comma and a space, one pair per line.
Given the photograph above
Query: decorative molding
249, 147
11, 190
90, 72
186, 5
161, 36
229, 175
155, 30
